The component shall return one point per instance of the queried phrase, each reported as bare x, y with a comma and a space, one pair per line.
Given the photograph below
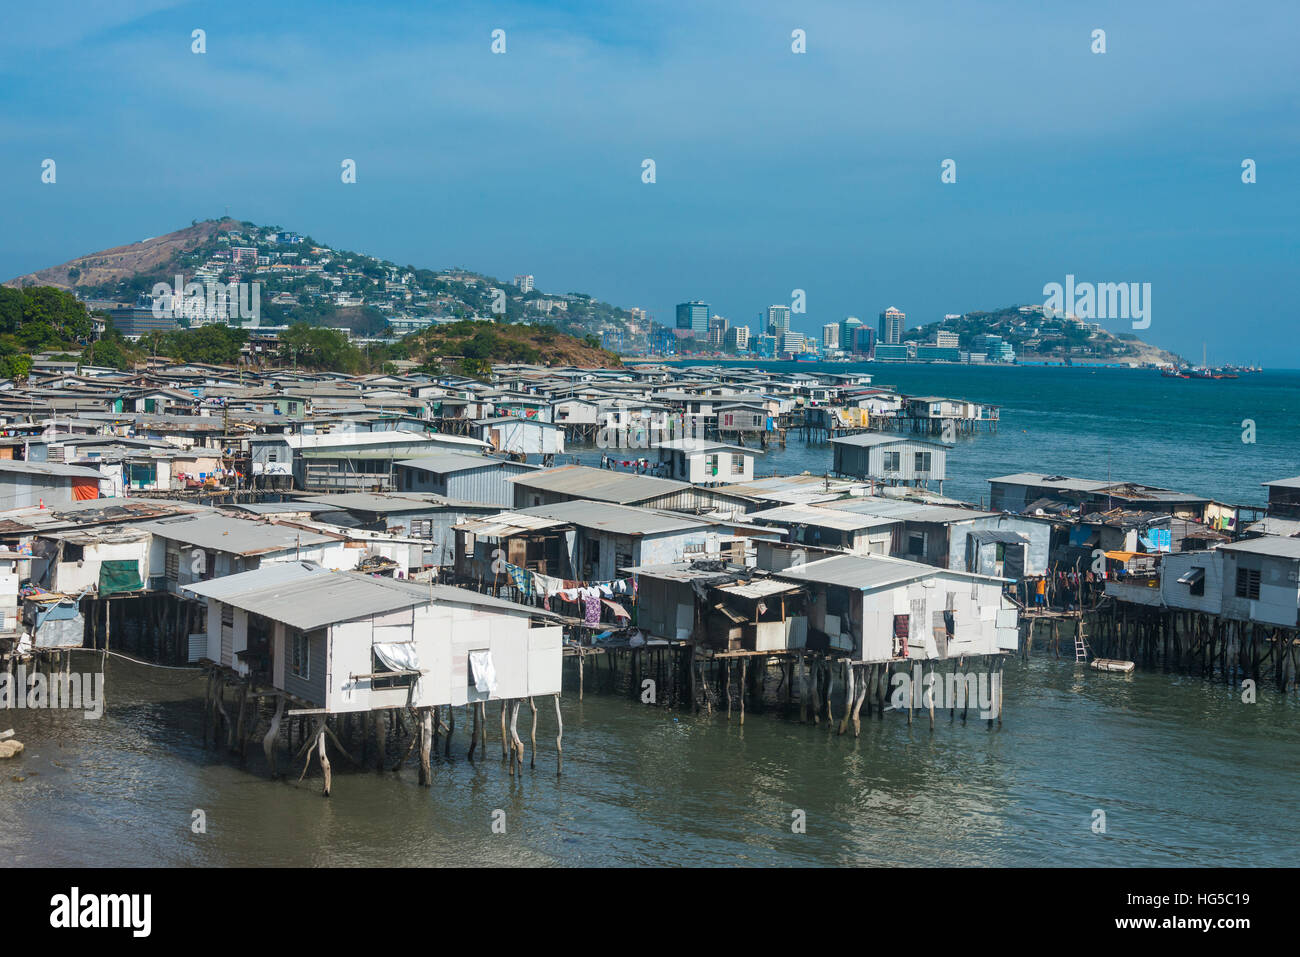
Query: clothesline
591, 595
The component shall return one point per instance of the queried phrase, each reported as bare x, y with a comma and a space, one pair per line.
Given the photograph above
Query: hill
1036, 337
303, 280
482, 342
109, 268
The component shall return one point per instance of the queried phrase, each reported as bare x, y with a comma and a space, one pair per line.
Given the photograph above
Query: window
1195, 581
916, 543
300, 663
1247, 583
711, 464
901, 625
893, 462
593, 549
737, 464
273, 455
377, 666
923, 461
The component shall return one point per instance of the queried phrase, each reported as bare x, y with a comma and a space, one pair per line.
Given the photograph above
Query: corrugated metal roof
618, 519
306, 596
505, 524
237, 536
603, 485
378, 502
906, 511
759, 588
845, 521
1273, 545
50, 468
859, 571
1044, 480
872, 439
446, 463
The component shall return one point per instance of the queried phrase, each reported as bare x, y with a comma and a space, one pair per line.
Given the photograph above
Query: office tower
778, 320
717, 330
693, 318
848, 331
737, 339
891, 326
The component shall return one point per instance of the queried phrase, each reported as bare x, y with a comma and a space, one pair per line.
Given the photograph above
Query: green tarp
119, 576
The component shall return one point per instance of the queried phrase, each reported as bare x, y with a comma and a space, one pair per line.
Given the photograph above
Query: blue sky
775, 171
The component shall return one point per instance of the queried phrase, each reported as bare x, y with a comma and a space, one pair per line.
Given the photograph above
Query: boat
1203, 371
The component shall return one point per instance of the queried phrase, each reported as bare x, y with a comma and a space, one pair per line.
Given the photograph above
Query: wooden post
744, 674
475, 722
933, 674
324, 759
426, 741
849, 693
559, 737
505, 736
273, 734
532, 759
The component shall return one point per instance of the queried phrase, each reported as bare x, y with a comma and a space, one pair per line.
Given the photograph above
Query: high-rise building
525, 283
848, 330
831, 335
693, 318
717, 331
891, 326
792, 342
864, 340
778, 320
737, 339
946, 340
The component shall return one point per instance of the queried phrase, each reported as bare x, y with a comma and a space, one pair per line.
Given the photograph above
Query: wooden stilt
559, 736
273, 734
532, 755
324, 758
426, 741
475, 723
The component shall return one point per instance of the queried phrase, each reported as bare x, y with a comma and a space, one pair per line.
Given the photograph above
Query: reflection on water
1181, 767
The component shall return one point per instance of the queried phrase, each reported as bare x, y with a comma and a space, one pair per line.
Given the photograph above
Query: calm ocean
1184, 434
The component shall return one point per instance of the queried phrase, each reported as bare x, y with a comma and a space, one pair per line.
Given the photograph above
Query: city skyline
1097, 168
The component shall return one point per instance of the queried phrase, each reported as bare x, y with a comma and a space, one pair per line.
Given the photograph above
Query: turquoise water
1129, 424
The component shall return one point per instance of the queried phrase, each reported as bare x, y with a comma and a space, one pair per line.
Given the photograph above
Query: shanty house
723, 606
194, 548
519, 436
885, 609
45, 483
344, 642
461, 476
890, 459
704, 463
